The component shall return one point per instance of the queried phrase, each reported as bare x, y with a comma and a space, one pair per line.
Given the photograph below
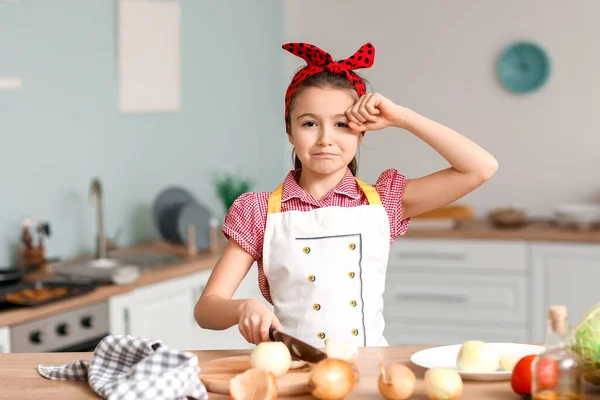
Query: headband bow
318, 61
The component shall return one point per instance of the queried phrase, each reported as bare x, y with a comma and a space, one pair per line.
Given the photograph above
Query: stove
75, 330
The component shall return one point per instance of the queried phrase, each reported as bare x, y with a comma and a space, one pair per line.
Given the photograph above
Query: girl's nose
324, 136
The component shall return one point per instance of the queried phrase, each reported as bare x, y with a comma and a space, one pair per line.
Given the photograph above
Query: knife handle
272, 332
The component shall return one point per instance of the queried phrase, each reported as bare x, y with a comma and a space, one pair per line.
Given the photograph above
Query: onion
477, 356
443, 384
507, 362
331, 379
253, 384
273, 357
340, 349
396, 381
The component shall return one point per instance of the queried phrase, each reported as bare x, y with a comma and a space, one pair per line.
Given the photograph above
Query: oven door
85, 346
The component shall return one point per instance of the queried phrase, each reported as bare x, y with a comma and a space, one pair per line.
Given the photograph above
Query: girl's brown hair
325, 79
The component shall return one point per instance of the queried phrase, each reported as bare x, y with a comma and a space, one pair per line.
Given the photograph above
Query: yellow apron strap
370, 192
274, 205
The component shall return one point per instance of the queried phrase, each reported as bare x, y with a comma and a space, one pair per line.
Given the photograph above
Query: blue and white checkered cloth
126, 368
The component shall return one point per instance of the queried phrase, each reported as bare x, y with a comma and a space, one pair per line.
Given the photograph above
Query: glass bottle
557, 372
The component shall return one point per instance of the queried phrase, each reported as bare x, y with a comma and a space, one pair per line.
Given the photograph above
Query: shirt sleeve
245, 223
390, 185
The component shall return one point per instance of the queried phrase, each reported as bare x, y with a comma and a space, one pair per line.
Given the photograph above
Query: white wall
64, 128
438, 58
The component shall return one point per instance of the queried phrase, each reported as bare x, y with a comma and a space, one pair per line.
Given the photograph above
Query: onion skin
297, 364
245, 386
443, 384
331, 379
396, 382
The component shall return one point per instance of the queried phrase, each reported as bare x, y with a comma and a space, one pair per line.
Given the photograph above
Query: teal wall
63, 127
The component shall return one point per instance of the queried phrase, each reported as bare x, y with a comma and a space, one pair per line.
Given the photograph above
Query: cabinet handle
126, 321
436, 256
442, 298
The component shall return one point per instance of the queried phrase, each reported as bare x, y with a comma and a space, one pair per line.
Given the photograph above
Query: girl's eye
309, 123
341, 125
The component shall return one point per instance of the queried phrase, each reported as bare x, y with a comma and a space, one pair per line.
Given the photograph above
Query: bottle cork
557, 316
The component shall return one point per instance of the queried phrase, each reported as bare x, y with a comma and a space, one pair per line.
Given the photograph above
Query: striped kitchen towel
125, 367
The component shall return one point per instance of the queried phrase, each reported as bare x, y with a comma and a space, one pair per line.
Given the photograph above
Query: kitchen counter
20, 379
474, 230
483, 229
187, 265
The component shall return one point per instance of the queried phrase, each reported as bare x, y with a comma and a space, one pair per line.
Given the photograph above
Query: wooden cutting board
216, 374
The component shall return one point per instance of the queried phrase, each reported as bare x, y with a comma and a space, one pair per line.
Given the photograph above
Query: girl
321, 239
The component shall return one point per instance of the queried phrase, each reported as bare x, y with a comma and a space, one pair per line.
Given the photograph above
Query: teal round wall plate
523, 67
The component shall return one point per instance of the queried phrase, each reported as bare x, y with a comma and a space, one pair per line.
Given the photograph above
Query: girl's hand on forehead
373, 112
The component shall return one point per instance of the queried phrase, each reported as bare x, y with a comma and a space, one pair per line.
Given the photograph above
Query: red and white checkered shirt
246, 219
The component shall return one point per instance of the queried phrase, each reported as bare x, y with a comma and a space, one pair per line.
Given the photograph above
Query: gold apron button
351, 246
353, 303
306, 250
350, 275
316, 307
355, 332
321, 335
311, 278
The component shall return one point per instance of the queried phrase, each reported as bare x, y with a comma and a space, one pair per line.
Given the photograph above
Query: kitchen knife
297, 347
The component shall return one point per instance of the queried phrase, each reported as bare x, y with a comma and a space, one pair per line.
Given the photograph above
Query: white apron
326, 270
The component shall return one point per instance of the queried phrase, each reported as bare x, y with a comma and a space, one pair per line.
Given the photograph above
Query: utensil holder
31, 256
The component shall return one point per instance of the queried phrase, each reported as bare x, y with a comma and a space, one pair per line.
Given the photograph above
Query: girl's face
319, 129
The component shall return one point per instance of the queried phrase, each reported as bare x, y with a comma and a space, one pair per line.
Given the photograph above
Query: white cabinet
162, 311
4, 339
442, 291
566, 274
438, 291
165, 311
159, 311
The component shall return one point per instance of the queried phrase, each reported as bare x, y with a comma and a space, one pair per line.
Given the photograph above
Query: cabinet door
441, 291
469, 256
436, 333
119, 313
206, 339
162, 311
566, 274
5, 339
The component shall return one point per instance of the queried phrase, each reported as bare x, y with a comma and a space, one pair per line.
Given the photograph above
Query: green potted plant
230, 187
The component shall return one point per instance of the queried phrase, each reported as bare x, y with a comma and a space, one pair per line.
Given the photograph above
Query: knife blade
297, 347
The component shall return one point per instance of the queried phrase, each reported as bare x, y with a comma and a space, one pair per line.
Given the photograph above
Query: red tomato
520, 380
546, 374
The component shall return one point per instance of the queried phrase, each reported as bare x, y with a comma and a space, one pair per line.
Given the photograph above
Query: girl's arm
215, 309
471, 165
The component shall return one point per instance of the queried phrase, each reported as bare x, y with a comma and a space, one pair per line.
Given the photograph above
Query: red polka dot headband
318, 60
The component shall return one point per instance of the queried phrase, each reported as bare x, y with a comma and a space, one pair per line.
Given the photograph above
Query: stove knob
87, 322
35, 337
62, 329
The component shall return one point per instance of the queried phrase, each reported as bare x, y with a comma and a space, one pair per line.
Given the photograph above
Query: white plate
445, 357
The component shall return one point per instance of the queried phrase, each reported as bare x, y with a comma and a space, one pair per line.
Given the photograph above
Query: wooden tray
33, 294
216, 374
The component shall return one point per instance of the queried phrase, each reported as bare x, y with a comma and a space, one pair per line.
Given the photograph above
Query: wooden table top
20, 379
